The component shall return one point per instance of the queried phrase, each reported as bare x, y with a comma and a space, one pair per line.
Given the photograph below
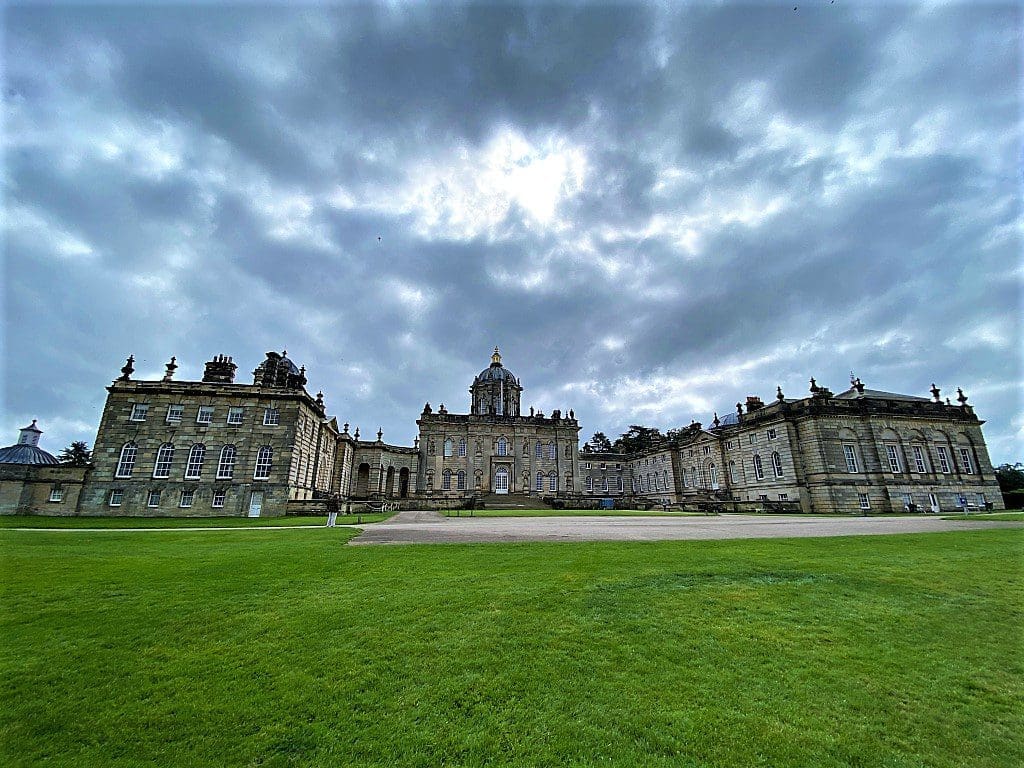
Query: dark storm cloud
654, 210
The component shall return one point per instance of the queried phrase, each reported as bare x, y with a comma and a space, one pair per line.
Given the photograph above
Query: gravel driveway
430, 528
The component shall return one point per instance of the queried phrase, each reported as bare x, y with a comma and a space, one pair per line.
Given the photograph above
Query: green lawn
186, 649
564, 513
45, 521
988, 516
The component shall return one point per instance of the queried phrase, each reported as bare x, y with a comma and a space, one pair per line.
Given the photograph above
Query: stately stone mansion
220, 447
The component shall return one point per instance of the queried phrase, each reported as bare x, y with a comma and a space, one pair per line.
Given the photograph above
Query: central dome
496, 371
496, 390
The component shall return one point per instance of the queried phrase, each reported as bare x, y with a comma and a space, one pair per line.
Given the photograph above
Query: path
430, 527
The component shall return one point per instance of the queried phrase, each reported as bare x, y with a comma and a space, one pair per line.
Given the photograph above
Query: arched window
460, 480
164, 457
126, 463
264, 460
194, 467
700, 477
462, 446
538, 450
502, 446
448, 447
551, 450
713, 476
758, 469
732, 471
226, 465
665, 479
552, 481
540, 478
777, 464
446, 480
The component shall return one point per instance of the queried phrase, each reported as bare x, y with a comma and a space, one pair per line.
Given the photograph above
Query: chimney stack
220, 370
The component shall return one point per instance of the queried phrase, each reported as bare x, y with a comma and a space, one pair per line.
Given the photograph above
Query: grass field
45, 521
988, 516
185, 649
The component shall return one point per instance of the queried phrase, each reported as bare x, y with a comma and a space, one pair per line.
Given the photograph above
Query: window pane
164, 457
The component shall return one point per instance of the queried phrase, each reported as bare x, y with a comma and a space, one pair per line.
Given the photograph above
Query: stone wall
494, 444
30, 489
299, 427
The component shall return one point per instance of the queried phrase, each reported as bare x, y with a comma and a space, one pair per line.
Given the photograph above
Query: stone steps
511, 501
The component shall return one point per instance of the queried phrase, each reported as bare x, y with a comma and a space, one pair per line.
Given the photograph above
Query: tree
77, 454
599, 443
638, 438
677, 435
1010, 477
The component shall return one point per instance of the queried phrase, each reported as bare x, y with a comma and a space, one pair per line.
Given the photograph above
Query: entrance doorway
255, 503
362, 481
403, 483
501, 480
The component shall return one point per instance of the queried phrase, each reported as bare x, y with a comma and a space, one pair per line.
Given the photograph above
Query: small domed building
33, 481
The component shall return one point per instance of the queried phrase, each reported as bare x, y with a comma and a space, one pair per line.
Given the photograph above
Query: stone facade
604, 474
40, 490
217, 447
212, 447
380, 471
859, 451
495, 449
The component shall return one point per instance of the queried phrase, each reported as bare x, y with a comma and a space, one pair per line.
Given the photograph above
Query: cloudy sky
654, 210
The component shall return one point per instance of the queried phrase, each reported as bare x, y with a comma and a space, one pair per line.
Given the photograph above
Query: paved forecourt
430, 527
